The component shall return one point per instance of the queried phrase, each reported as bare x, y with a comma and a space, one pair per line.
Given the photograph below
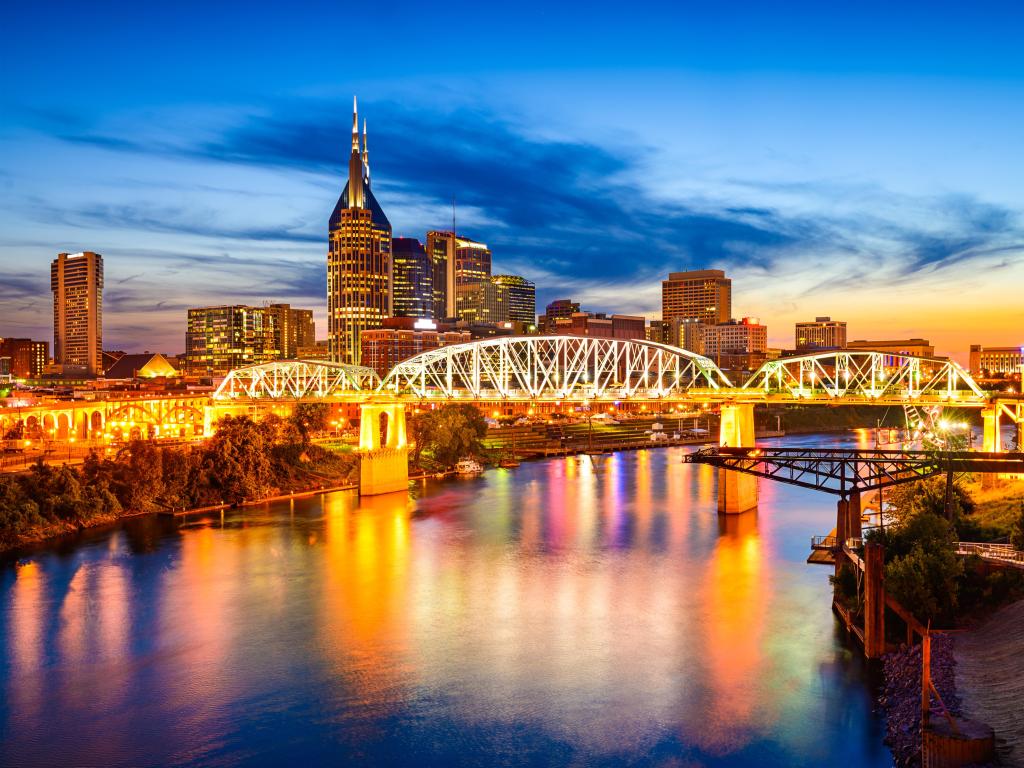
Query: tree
236, 461
309, 418
449, 433
1017, 530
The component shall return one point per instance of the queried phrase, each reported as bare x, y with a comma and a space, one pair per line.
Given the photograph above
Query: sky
862, 161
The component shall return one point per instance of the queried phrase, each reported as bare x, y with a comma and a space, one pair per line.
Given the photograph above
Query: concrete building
822, 334
358, 258
481, 302
702, 295
522, 298
601, 325
556, 309
412, 279
681, 332
914, 347
295, 329
76, 280
738, 345
27, 358
230, 336
988, 362
402, 338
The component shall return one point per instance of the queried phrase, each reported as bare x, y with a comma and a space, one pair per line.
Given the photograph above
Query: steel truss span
871, 375
842, 471
296, 379
555, 367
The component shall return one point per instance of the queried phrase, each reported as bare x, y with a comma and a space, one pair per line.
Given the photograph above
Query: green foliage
309, 418
448, 434
243, 460
929, 496
1017, 530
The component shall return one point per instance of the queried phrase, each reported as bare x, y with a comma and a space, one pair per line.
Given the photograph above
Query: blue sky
863, 162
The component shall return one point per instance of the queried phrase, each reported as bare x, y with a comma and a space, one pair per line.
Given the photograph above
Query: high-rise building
472, 261
993, 361
556, 309
221, 338
601, 325
823, 333
441, 252
358, 258
703, 295
295, 329
522, 298
412, 279
76, 280
28, 358
484, 301
401, 338
738, 345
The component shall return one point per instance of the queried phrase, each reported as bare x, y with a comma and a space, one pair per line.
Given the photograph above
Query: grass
997, 507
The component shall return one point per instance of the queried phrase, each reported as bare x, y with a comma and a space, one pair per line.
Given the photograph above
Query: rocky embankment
901, 699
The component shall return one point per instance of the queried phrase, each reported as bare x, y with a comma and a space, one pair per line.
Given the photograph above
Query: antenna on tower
453, 215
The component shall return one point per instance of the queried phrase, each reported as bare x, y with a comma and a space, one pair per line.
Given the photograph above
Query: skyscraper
441, 252
221, 338
412, 279
704, 295
358, 257
522, 298
295, 329
76, 280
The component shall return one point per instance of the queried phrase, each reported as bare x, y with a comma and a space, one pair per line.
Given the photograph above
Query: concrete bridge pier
383, 464
737, 492
991, 440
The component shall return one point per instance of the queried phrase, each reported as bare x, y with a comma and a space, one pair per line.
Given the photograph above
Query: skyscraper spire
366, 154
356, 197
355, 125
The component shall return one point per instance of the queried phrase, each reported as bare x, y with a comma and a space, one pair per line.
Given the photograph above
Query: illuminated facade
703, 295
556, 309
914, 347
522, 298
481, 302
28, 358
412, 279
599, 325
295, 330
823, 333
400, 339
358, 258
738, 345
441, 252
221, 338
996, 361
76, 280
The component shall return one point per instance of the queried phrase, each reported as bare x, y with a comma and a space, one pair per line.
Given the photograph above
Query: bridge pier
737, 492
991, 440
382, 468
874, 600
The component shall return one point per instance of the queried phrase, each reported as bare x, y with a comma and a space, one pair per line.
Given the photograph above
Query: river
568, 612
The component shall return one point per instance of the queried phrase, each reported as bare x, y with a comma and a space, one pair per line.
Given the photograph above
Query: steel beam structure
846, 471
296, 379
555, 367
864, 374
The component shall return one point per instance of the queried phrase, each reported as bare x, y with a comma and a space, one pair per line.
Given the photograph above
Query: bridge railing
993, 551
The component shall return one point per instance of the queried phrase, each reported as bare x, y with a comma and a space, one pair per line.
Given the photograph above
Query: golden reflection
26, 617
735, 601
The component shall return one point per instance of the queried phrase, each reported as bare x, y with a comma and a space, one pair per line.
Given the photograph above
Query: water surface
569, 612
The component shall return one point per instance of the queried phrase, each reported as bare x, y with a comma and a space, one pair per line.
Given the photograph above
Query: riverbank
990, 678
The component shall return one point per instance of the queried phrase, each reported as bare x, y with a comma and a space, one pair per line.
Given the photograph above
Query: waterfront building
358, 258
703, 295
76, 280
484, 301
821, 334
221, 338
996, 361
522, 298
601, 325
738, 345
28, 358
558, 308
412, 279
295, 329
401, 338
914, 347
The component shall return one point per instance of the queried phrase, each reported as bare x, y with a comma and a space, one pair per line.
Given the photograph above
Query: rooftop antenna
453, 215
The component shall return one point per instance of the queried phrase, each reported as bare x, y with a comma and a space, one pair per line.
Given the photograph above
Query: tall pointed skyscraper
358, 257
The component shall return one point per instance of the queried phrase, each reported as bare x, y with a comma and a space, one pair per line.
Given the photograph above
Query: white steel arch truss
866, 374
296, 379
554, 367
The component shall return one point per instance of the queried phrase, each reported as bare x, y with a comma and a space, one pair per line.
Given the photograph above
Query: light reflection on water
588, 610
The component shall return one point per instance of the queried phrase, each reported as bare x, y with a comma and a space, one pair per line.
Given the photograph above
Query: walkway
990, 678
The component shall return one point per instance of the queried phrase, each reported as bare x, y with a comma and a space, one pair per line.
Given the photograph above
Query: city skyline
875, 184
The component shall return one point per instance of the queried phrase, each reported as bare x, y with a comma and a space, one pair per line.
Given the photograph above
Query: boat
508, 463
468, 467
